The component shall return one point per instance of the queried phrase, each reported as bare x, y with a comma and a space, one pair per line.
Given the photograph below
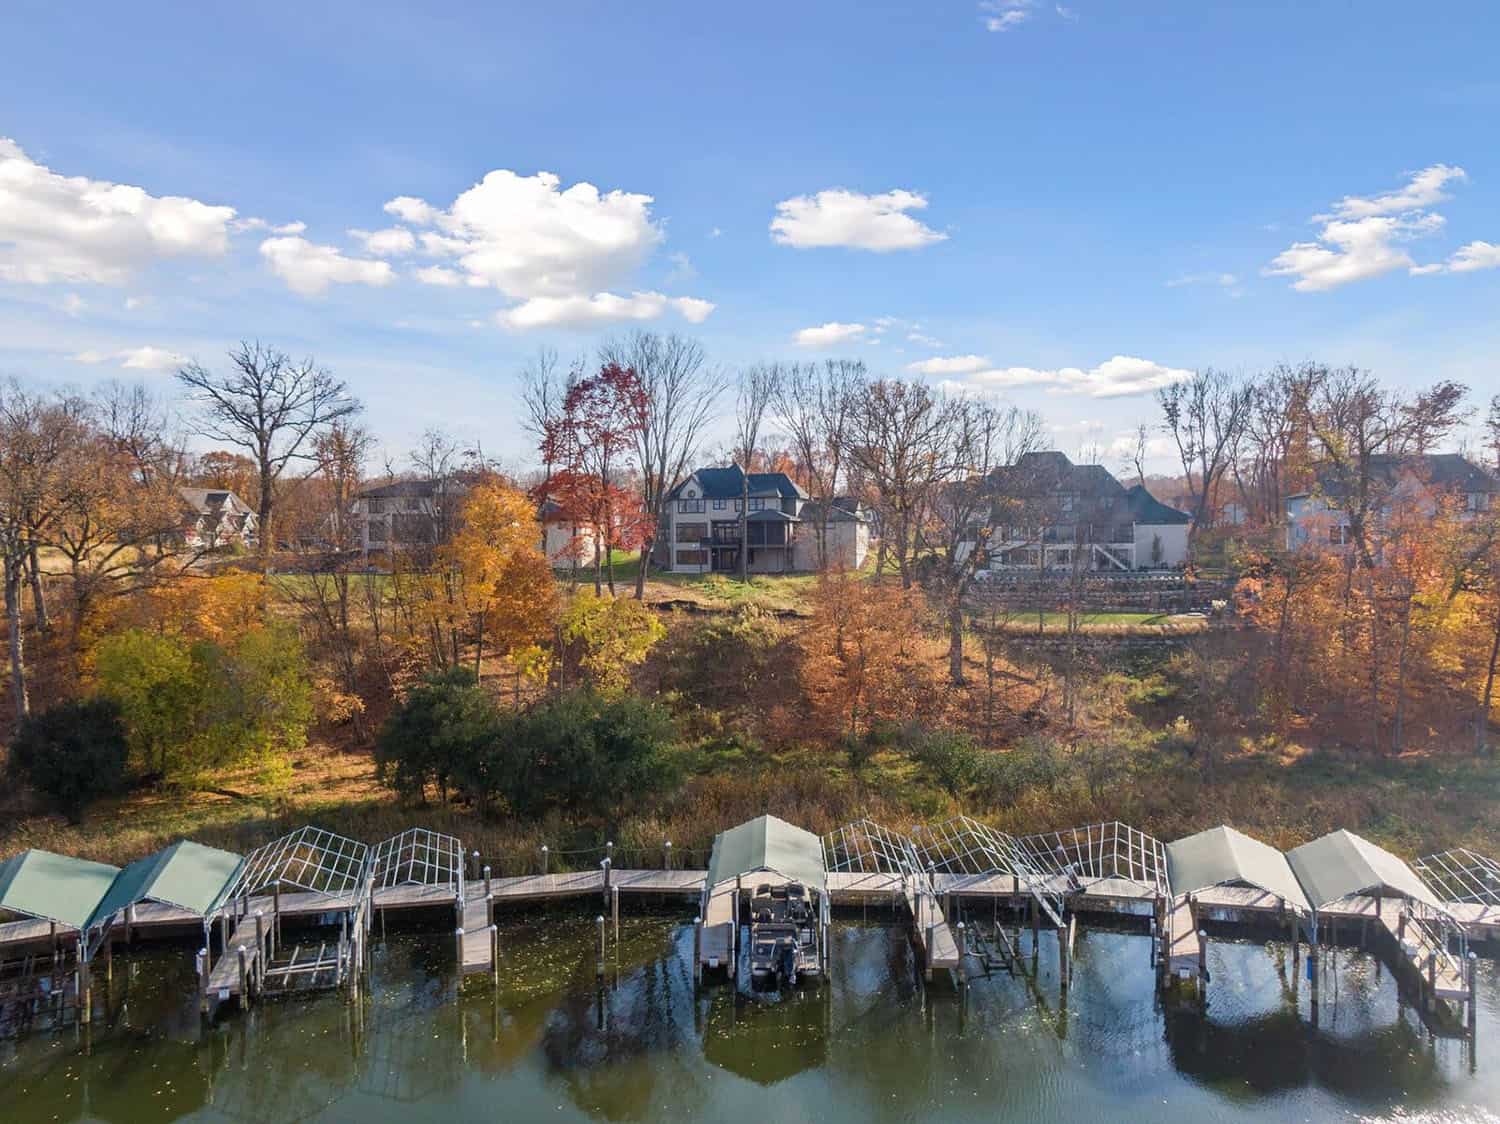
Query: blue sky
1064, 204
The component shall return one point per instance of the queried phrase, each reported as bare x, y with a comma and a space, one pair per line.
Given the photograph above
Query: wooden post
487, 885
495, 953
931, 937
600, 970
85, 988
545, 857
458, 949
668, 850
604, 867
963, 977
276, 914
609, 851
1036, 925
130, 923
1473, 981
1432, 976
1203, 954
260, 949
203, 966
244, 980
697, 948
474, 858
614, 907
109, 964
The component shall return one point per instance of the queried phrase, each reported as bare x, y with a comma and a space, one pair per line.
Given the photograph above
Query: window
692, 532
718, 505
692, 557
737, 504
1479, 501
692, 507
757, 505
1338, 535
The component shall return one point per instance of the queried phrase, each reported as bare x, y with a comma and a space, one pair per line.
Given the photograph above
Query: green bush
579, 750
73, 754
444, 727
949, 757
1033, 763
192, 707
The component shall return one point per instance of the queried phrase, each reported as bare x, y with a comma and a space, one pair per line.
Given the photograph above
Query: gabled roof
54, 887
1047, 473
728, 483
186, 874
1146, 508
768, 843
771, 515
1222, 855
842, 509
1342, 863
214, 501
1450, 472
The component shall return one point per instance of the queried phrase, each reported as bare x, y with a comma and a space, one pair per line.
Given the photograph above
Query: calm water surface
873, 1045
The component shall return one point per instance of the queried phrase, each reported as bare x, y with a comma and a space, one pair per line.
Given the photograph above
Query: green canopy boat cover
186, 874
768, 843
54, 887
1222, 856
1341, 863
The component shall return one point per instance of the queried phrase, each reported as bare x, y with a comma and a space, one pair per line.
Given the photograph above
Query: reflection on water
872, 1044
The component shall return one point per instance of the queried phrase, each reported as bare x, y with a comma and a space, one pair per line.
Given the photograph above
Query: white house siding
562, 543
1174, 544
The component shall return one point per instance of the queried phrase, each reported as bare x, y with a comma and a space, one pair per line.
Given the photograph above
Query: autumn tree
510, 591
968, 503
899, 437
272, 407
593, 442
605, 637
814, 404
679, 392
1205, 416
755, 390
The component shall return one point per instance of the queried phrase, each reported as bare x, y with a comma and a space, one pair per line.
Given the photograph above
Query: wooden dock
1182, 946
224, 977
476, 945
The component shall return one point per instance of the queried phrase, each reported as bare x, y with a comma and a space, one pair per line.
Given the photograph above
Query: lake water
872, 1044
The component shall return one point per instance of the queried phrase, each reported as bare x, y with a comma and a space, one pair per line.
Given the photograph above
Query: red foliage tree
592, 441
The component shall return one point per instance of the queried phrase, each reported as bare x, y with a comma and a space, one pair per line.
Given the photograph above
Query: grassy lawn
1106, 624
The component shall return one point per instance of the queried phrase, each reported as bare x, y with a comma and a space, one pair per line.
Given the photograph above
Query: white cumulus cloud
828, 335
309, 268
71, 228
555, 251
951, 365
1476, 255
839, 217
1117, 377
577, 311
1365, 236
146, 358
390, 242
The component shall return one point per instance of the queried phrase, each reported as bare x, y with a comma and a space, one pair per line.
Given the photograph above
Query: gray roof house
1050, 513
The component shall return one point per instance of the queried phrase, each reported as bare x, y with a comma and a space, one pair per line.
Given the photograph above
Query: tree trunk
609, 567
598, 570
744, 557
1482, 725
17, 640
1398, 724
38, 595
265, 529
956, 640
640, 578
478, 645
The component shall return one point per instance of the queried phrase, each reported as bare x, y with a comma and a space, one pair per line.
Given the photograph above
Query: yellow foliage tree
507, 587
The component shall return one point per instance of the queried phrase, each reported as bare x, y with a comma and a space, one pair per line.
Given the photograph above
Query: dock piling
963, 976
545, 857
244, 978
495, 952
600, 968
458, 948
697, 948
668, 851
487, 888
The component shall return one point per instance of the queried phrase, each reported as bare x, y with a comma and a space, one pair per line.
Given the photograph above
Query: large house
1050, 513
701, 534
406, 514
1418, 485
216, 517
565, 542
